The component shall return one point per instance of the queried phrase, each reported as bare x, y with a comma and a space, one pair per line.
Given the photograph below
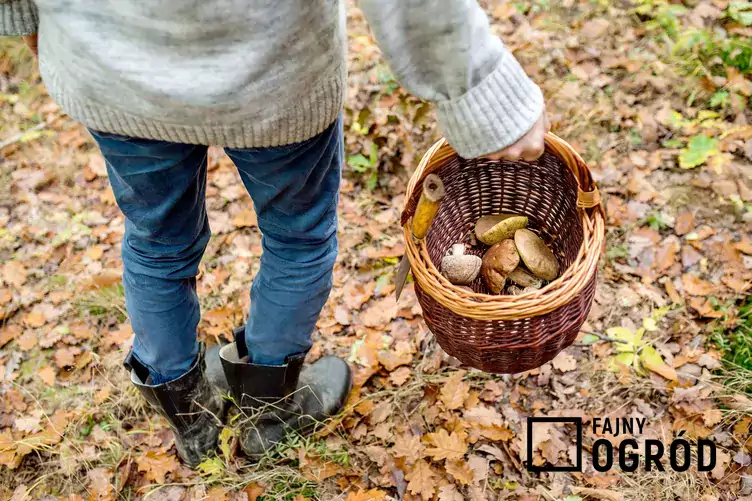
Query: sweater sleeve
444, 51
18, 17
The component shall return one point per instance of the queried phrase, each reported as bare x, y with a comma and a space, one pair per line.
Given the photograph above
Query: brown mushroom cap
536, 255
524, 278
494, 228
499, 260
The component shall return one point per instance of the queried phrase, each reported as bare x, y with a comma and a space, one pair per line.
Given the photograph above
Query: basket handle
588, 195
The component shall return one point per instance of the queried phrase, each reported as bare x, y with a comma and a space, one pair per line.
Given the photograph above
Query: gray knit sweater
254, 73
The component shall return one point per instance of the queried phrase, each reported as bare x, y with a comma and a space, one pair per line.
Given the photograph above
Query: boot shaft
181, 401
255, 385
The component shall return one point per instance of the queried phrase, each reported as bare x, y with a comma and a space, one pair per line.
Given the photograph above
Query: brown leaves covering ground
417, 426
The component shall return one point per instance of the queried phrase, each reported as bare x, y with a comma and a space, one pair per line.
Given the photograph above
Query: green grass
736, 342
104, 302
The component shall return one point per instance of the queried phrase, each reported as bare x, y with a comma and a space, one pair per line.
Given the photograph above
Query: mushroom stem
458, 249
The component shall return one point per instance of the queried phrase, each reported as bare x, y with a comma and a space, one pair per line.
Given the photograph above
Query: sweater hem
311, 115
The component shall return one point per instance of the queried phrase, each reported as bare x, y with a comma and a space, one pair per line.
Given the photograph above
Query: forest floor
656, 98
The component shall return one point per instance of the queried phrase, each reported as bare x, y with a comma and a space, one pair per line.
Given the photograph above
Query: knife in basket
428, 205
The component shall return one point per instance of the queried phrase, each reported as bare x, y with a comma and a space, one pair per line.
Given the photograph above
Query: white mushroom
460, 268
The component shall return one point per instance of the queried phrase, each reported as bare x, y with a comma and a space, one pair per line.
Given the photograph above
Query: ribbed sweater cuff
18, 17
494, 114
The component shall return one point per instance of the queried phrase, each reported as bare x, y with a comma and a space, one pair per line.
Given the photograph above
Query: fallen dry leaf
366, 495
47, 375
245, 219
409, 447
14, 273
564, 362
421, 480
8, 333
95, 252
685, 222
27, 341
604, 494
253, 491
156, 465
100, 483
446, 446
66, 357
400, 376
695, 286
450, 493
712, 417
460, 471
454, 391
34, 319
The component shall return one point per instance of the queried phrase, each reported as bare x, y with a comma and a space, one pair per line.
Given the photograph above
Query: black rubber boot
278, 399
191, 406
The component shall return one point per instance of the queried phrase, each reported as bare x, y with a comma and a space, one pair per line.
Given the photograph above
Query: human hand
529, 147
31, 43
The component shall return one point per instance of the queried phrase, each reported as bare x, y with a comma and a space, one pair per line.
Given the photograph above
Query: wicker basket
507, 334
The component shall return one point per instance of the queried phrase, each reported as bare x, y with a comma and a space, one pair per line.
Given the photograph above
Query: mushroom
518, 291
494, 228
499, 260
524, 278
538, 258
460, 268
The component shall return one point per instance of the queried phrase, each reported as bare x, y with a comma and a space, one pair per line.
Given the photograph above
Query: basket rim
557, 293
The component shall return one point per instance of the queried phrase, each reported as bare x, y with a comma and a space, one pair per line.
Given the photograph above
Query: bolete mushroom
524, 278
494, 228
460, 268
538, 258
518, 291
498, 261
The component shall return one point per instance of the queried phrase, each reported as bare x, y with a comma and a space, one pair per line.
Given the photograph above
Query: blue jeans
160, 187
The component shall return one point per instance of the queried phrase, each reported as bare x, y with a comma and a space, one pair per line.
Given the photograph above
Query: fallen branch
21, 135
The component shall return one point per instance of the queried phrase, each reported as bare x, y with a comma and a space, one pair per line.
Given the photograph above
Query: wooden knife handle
428, 205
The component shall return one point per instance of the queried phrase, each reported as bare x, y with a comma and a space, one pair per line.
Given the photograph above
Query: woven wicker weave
507, 334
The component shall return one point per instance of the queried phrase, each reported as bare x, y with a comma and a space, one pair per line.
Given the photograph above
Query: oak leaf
391, 360
8, 456
564, 362
460, 471
156, 465
695, 286
95, 252
217, 493
446, 446
365, 407
381, 412
245, 219
400, 376
8, 333
27, 341
14, 273
35, 319
253, 491
421, 480
47, 375
99, 482
455, 391
366, 495
408, 447
28, 424
485, 416
450, 493
66, 357
712, 417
